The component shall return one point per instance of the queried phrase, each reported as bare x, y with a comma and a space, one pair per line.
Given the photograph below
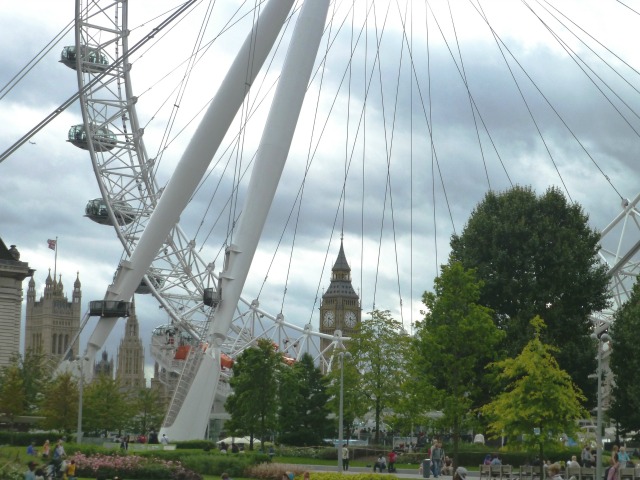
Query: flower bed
132, 467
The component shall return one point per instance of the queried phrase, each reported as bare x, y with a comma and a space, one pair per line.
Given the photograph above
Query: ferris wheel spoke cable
475, 110
616, 56
463, 72
627, 6
35, 60
582, 64
184, 82
95, 81
395, 112
501, 44
310, 155
300, 194
526, 103
378, 69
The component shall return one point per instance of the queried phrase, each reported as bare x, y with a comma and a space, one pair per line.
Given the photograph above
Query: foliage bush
10, 466
18, 439
234, 465
133, 467
274, 471
206, 445
509, 456
356, 476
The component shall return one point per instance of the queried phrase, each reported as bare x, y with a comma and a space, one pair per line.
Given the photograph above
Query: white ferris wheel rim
124, 174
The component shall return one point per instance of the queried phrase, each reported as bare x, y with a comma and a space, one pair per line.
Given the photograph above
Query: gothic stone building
53, 321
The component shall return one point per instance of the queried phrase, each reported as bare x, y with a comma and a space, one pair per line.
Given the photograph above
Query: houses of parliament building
52, 322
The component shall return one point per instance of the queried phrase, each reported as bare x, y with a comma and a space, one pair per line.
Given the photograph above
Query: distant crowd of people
53, 465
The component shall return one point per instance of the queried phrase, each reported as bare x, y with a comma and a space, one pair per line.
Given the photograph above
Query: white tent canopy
239, 440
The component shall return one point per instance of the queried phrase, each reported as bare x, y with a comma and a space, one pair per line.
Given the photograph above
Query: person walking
586, 457
392, 461
46, 449
437, 455
30, 474
345, 457
71, 470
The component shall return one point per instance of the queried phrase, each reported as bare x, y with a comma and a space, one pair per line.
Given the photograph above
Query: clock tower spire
340, 307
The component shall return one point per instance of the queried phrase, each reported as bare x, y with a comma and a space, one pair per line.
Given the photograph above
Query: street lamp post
341, 409
601, 339
80, 397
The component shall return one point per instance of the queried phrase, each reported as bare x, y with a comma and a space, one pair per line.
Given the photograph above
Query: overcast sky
538, 103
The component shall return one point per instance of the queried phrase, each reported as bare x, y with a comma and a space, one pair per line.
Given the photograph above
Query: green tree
355, 400
36, 369
453, 344
148, 410
540, 402
61, 405
105, 407
625, 365
12, 393
538, 256
253, 405
379, 351
410, 409
24, 397
303, 404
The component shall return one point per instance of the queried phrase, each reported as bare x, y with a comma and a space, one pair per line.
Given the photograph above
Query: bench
485, 471
500, 472
530, 472
628, 473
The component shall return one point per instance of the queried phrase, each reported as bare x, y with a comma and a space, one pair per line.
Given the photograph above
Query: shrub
234, 465
274, 471
205, 445
132, 466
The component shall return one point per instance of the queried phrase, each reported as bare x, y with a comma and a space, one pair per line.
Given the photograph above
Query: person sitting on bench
381, 464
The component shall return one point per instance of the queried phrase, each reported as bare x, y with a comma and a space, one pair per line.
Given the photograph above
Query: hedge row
19, 439
467, 455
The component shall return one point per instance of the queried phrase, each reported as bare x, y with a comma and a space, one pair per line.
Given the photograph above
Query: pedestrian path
400, 473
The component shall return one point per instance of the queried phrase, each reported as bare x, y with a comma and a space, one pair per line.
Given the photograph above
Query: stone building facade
53, 321
12, 273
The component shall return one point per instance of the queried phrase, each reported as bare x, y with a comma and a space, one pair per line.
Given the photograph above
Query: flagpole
55, 261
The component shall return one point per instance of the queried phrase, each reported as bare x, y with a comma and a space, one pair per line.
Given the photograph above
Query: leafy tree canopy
540, 402
12, 393
148, 410
453, 344
625, 365
380, 352
60, 407
105, 406
303, 404
538, 256
253, 405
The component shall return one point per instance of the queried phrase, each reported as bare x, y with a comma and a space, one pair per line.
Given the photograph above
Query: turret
77, 291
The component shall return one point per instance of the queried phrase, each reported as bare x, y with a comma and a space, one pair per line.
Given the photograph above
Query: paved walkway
400, 473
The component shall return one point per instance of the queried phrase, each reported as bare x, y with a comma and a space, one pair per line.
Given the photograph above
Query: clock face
329, 319
350, 319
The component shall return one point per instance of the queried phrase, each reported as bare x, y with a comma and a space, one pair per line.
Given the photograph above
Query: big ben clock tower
340, 307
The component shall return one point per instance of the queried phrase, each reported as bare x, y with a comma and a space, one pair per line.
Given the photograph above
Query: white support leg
195, 160
272, 153
270, 160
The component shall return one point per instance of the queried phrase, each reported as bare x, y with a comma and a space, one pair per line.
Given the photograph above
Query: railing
184, 383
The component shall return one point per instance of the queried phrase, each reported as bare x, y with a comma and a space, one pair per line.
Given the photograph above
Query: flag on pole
52, 244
